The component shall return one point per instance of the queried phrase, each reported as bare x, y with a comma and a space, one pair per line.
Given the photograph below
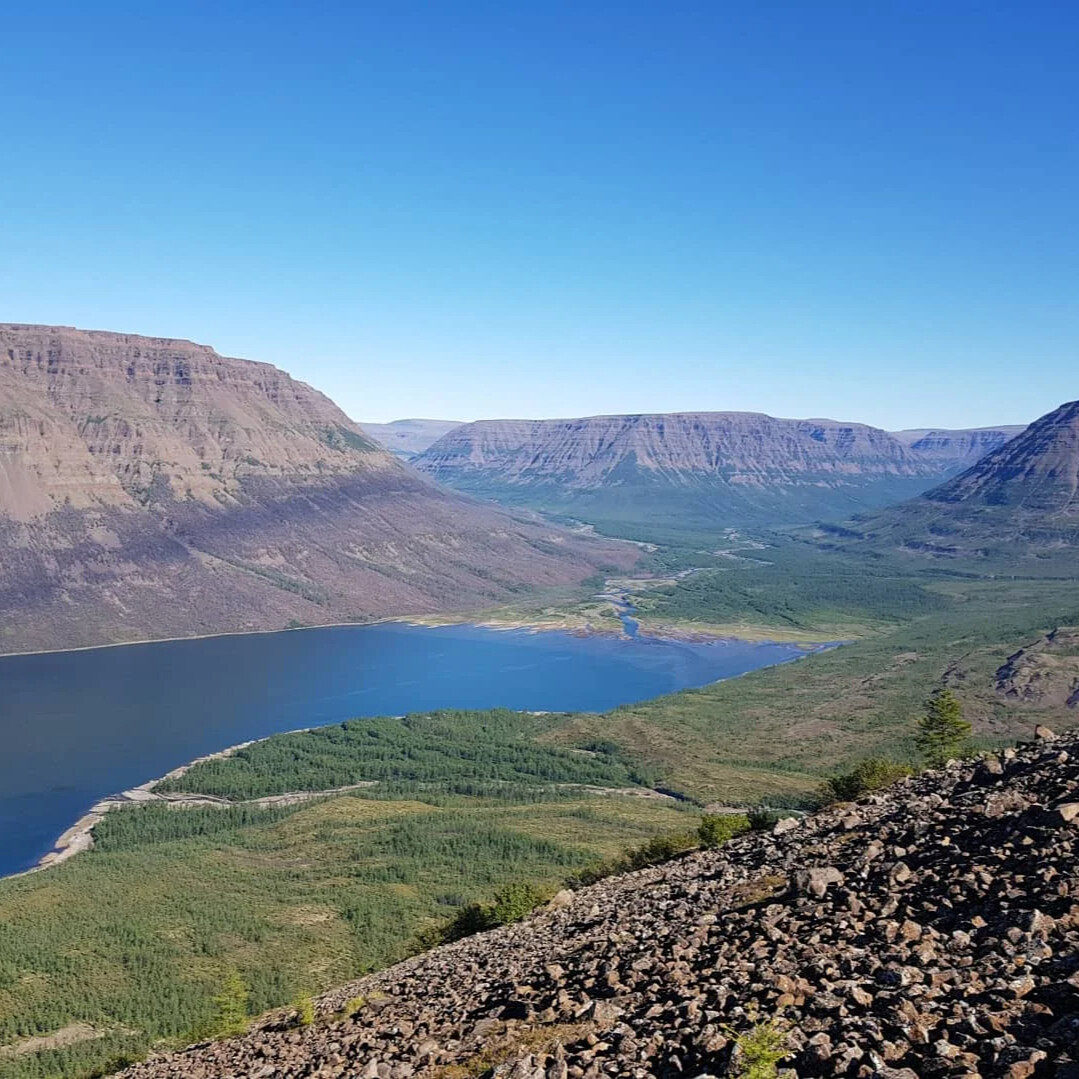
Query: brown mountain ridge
707, 469
150, 488
1017, 503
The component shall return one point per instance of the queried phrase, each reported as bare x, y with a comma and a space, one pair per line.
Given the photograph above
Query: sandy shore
691, 632
80, 836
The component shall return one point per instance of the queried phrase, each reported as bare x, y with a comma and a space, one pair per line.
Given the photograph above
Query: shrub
510, 904
660, 849
759, 1050
474, 918
870, 775
763, 820
516, 901
354, 1005
717, 828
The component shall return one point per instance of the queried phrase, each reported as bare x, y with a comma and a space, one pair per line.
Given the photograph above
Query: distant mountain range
956, 450
150, 487
406, 438
698, 470
1021, 501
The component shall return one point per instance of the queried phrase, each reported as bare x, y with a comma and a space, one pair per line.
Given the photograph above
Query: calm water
77, 726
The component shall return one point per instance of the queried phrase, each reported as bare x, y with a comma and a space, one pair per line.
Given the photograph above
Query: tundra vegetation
135, 939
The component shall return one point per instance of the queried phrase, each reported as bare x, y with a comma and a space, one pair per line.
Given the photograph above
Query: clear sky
867, 210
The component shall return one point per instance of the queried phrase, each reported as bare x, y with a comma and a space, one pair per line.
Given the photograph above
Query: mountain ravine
152, 488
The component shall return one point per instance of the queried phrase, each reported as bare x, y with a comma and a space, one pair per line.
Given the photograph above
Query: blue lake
77, 726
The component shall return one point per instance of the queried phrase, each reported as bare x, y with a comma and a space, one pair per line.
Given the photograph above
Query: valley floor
133, 939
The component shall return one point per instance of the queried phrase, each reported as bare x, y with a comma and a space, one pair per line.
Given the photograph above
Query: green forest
460, 751
134, 939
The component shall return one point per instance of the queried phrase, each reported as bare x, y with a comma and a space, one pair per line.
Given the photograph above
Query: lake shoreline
80, 836
666, 632
401, 619
697, 634
75, 837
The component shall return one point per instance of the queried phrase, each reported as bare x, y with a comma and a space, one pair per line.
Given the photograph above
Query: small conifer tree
943, 733
231, 1004
304, 1007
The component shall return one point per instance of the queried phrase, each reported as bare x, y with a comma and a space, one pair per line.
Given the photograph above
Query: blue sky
863, 210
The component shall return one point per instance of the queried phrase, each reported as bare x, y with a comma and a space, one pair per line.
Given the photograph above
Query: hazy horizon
685, 411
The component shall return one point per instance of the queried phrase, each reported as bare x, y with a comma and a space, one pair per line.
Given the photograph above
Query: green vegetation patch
136, 938
773, 735
790, 585
341, 438
462, 752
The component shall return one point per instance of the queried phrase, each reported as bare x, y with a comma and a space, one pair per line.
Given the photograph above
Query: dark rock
942, 945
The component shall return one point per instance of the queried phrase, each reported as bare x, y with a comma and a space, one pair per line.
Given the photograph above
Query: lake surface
78, 726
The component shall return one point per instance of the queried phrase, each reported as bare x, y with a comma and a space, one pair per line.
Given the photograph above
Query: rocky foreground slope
932, 930
150, 487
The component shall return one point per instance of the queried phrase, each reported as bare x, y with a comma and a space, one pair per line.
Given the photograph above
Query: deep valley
152, 488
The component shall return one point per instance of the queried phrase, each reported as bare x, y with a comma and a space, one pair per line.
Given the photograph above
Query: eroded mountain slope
708, 468
150, 487
1019, 503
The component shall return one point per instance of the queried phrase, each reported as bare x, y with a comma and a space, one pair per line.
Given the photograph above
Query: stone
815, 881
884, 953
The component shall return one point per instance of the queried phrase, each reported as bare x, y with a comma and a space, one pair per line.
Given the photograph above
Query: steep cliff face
150, 487
710, 467
953, 451
739, 448
1019, 502
100, 419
